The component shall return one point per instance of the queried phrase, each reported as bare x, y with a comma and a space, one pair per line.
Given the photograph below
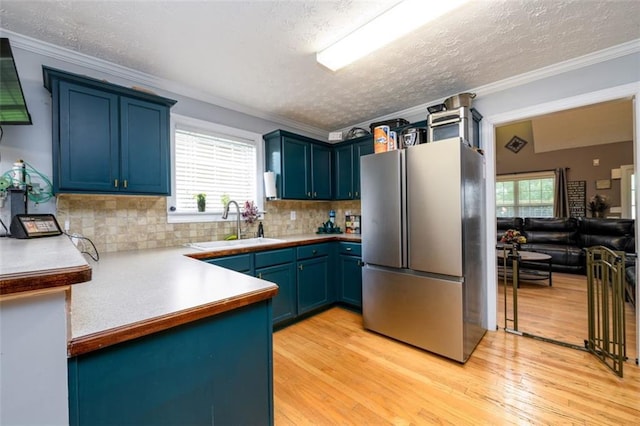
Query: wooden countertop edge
252, 249
39, 280
103, 339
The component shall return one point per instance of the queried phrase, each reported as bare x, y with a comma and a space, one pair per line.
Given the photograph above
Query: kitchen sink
226, 244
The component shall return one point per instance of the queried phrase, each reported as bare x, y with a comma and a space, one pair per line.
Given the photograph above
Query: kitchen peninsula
164, 336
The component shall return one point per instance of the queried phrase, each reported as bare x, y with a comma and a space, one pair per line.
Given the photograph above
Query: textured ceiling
261, 54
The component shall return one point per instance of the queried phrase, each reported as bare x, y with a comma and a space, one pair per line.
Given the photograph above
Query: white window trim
207, 126
626, 172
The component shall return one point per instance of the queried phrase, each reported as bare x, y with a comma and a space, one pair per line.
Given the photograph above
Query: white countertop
133, 286
38, 254
133, 293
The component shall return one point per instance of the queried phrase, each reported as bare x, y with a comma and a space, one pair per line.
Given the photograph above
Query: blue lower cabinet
350, 280
239, 263
218, 370
313, 284
284, 303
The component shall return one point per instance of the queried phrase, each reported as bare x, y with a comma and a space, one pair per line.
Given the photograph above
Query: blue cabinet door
313, 284
217, 370
350, 280
364, 147
296, 169
85, 146
343, 172
321, 172
284, 303
144, 147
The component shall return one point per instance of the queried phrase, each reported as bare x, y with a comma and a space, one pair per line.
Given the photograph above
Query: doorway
489, 125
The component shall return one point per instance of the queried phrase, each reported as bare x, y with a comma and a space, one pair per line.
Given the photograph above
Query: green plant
201, 200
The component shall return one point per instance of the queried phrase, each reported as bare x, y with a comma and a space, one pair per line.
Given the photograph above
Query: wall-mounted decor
515, 144
577, 192
603, 184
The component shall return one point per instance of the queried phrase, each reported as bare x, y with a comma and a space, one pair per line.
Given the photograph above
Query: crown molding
604, 55
137, 77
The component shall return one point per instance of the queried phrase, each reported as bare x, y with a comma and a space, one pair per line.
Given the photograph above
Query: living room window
214, 160
525, 195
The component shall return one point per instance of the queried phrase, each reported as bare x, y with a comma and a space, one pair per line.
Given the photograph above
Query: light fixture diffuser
396, 22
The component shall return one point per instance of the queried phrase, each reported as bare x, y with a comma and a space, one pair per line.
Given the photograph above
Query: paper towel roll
270, 185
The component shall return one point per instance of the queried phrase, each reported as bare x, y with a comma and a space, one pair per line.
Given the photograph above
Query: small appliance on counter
352, 224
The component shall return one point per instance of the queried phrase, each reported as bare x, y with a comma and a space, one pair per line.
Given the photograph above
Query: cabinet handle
348, 248
349, 194
315, 195
260, 275
357, 194
125, 184
309, 194
314, 251
300, 267
115, 183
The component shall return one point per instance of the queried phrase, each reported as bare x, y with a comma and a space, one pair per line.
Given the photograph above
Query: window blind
213, 164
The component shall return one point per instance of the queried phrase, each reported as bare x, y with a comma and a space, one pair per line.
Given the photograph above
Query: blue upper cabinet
302, 165
347, 167
108, 138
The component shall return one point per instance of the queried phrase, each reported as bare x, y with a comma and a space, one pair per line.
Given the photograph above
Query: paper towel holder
270, 191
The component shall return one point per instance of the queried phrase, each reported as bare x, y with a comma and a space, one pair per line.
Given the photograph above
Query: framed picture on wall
515, 144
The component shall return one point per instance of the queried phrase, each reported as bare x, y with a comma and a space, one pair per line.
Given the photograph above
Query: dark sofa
565, 238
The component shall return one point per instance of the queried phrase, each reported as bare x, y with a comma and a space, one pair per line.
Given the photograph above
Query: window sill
196, 217
204, 217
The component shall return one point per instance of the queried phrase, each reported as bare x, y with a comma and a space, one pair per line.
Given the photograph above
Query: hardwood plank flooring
328, 370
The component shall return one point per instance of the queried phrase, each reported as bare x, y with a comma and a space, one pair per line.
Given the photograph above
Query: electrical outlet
347, 213
293, 215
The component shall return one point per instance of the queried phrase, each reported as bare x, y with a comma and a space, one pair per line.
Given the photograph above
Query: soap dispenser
260, 230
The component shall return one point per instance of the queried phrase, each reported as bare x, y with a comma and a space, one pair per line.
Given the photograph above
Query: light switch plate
293, 215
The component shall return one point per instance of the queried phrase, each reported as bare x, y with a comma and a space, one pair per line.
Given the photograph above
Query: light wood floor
558, 312
328, 370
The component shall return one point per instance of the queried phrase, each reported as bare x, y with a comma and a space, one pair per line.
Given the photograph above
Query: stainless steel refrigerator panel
423, 311
473, 244
382, 209
434, 206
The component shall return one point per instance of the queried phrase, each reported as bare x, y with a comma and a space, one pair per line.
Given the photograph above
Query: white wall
33, 360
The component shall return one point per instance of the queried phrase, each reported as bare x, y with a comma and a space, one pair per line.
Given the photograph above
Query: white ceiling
261, 54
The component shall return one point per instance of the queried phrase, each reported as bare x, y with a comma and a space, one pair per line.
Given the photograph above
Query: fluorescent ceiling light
396, 22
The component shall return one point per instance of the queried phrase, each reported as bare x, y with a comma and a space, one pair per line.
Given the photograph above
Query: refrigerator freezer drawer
423, 311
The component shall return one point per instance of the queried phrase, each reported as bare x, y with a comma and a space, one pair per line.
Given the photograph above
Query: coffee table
530, 274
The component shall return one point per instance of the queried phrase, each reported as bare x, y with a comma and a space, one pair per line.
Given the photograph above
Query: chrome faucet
225, 214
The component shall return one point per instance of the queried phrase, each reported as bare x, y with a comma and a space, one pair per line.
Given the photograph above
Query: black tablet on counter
34, 226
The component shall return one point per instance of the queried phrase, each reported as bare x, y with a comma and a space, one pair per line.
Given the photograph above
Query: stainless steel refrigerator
422, 245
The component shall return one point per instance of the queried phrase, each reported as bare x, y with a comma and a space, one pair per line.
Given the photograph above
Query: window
214, 160
525, 195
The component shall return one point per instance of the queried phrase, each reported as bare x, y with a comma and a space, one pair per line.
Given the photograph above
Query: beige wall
578, 160
117, 223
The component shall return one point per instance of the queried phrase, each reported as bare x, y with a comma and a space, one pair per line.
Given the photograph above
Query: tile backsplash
117, 223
